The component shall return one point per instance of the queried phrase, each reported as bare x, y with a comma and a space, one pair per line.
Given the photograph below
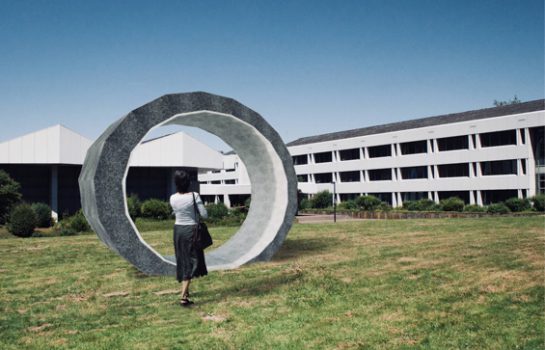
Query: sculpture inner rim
269, 165
268, 184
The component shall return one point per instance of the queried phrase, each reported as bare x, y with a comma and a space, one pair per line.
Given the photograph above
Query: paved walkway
319, 218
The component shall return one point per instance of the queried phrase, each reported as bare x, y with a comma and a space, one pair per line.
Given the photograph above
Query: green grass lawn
397, 284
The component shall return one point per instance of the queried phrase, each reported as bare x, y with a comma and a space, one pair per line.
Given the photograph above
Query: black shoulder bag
201, 236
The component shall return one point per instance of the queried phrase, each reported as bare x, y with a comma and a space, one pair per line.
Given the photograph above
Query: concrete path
320, 218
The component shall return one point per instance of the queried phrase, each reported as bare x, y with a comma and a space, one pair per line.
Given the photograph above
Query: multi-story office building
481, 156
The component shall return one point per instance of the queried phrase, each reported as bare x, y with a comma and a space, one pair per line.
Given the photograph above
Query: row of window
490, 139
487, 196
488, 168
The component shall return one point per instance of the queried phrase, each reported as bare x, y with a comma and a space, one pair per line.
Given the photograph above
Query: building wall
475, 163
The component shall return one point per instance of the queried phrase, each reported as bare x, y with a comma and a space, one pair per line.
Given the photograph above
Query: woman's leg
185, 288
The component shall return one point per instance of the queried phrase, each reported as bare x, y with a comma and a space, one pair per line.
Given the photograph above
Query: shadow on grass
304, 247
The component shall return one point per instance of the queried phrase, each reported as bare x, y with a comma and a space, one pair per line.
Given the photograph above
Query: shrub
384, 207
452, 204
9, 195
423, 204
348, 205
76, 222
322, 199
134, 205
497, 208
305, 203
474, 208
539, 202
156, 209
43, 214
368, 202
22, 220
67, 231
216, 211
518, 204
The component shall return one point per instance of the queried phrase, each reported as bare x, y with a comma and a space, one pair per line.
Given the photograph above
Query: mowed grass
406, 284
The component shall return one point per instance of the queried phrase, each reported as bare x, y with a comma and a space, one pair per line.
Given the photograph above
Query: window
452, 143
302, 178
453, 170
324, 157
300, 159
216, 182
380, 151
216, 171
540, 179
499, 167
350, 176
523, 166
323, 178
463, 195
349, 154
229, 170
413, 196
230, 182
414, 172
380, 174
203, 182
496, 196
414, 147
498, 138
383, 196
522, 136
349, 196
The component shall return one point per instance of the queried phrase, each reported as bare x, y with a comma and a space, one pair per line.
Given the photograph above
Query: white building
482, 156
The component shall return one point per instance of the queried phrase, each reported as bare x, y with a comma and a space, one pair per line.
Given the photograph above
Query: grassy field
405, 284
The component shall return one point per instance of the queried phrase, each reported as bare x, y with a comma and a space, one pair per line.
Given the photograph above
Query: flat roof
518, 108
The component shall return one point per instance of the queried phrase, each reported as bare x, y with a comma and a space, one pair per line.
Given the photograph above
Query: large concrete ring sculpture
269, 165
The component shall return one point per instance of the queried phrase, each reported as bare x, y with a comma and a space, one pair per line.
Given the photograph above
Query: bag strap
195, 207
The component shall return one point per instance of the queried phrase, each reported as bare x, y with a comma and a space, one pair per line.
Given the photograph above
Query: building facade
481, 156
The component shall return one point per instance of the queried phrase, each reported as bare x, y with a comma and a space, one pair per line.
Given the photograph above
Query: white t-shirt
182, 205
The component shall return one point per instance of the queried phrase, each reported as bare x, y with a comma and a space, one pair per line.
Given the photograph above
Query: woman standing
189, 258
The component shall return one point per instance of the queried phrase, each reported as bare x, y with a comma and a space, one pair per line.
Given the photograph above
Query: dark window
300, 160
523, 166
414, 172
216, 171
323, 178
203, 182
474, 140
499, 167
216, 182
383, 196
302, 178
452, 143
380, 174
522, 136
414, 147
380, 151
349, 196
413, 196
431, 144
230, 182
498, 138
496, 196
229, 170
474, 169
323, 157
350, 176
463, 195
540, 180
349, 154
453, 170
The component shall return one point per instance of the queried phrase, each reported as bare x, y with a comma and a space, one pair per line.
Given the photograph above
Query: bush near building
322, 199
474, 208
22, 220
156, 209
216, 212
76, 223
134, 206
539, 202
518, 204
497, 208
423, 204
9, 195
43, 214
452, 204
368, 203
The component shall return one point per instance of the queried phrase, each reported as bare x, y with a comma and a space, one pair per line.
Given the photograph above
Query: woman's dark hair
182, 181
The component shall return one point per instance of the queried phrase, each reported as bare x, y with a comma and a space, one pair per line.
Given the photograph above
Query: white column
226, 201
471, 197
479, 198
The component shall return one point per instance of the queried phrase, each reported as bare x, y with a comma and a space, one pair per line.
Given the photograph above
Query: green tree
514, 101
9, 195
322, 199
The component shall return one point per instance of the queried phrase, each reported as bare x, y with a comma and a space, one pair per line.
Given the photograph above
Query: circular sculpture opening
268, 162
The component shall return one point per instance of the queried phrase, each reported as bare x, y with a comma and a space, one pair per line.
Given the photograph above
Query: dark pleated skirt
189, 259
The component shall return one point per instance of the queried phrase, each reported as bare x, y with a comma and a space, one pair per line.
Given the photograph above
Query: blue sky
308, 67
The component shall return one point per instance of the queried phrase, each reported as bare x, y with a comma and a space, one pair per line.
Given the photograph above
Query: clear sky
308, 67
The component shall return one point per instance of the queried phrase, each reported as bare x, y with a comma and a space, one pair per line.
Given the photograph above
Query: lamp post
334, 201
